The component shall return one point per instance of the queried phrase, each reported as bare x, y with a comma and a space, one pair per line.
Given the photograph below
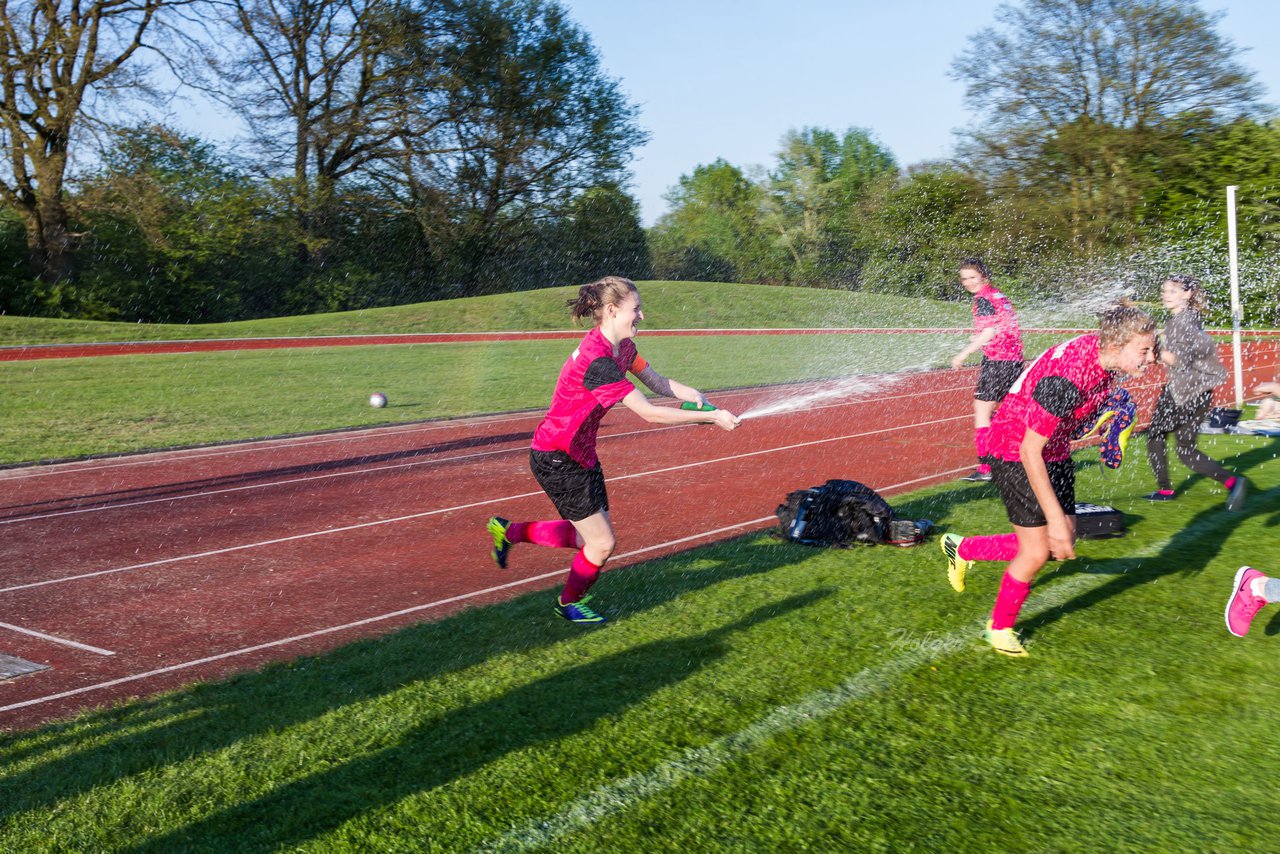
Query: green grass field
750, 696
61, 408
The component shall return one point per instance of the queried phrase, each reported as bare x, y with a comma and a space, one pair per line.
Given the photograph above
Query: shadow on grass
1191, 550
145, 736
460, 742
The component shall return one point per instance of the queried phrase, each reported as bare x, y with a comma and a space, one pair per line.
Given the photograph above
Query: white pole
1235, 293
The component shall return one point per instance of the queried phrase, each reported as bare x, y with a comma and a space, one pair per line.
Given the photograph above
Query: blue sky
727, 78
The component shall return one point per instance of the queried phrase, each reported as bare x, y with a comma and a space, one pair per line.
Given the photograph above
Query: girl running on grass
997, 335
1194, 371
1030, 443
563, 457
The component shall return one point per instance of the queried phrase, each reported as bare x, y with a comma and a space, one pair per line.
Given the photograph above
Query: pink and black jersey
591, 382
1061, 390
993, 309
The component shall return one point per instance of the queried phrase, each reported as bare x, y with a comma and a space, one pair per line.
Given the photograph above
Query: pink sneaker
1243, 605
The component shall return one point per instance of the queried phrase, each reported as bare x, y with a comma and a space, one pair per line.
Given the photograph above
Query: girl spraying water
1191, 359
1030, 442
563, 456
997, 335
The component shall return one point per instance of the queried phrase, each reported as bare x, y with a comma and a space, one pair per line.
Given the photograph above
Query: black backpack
844, 513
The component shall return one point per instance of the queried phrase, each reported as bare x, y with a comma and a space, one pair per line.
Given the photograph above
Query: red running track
131, 575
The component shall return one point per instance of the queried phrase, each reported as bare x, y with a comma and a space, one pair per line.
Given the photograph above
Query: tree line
399, 150
410, 150
1105, 133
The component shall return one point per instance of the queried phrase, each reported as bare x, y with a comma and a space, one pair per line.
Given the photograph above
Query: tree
1189, 198
602, 235
712, 231
812, 195
177, 235
56, 56
533, 123
1081, 98
924, 224
325, 87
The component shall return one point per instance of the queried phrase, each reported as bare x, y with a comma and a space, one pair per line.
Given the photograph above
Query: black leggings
1184, 423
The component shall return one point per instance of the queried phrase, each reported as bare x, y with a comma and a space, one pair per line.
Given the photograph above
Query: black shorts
1020, 502
1169, 416
995, 378
575, 490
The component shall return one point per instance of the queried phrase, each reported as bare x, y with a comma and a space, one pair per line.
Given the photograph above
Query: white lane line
699, 762
357, 472
54, 639
427, 513
257, 445
186, 665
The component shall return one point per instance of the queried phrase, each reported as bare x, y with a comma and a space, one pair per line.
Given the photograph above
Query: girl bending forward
1030, 441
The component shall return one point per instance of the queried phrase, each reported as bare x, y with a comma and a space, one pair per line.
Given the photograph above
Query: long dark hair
973, 262
1198, 298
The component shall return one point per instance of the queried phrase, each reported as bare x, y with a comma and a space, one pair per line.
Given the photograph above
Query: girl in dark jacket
1194, 371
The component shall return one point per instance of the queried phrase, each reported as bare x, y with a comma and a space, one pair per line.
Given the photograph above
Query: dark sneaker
1235, 496
978, 477
1161, 495
578, 612
497, 528
1243, 605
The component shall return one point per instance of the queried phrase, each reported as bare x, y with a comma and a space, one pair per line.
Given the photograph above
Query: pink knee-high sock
558, 534
1009, 601
991, 547
582, 574
980, 440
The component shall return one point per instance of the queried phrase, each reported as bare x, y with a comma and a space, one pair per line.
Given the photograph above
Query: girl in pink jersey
997, 335
1030, 447
563, 455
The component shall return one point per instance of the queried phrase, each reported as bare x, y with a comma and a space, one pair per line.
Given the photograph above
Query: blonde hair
592, 298
1123, 322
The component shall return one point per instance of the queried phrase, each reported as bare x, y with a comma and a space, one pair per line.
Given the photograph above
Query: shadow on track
263, 477
145, 737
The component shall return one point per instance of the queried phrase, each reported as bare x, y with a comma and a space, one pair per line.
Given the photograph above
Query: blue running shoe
578, 612
497, 528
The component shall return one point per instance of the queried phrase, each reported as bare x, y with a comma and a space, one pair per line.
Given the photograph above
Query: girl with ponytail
563, 456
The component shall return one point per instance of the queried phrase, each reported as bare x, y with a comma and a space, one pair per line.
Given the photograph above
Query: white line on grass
427, 513
54, 639
615, 798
